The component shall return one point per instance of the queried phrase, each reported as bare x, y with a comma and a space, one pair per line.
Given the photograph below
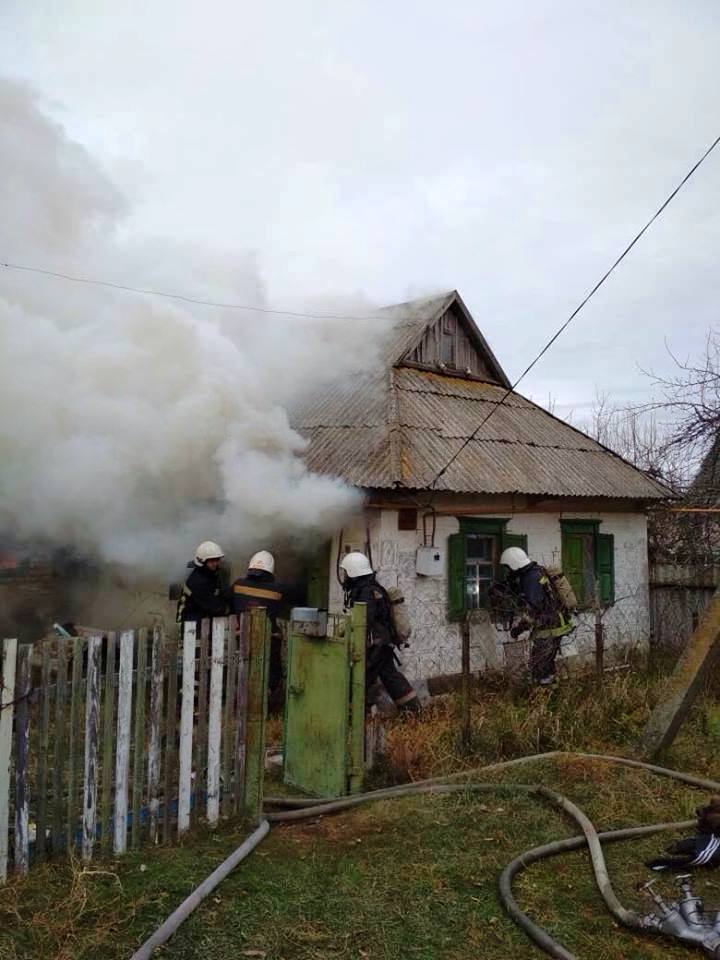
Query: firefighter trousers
543, 651
381, 665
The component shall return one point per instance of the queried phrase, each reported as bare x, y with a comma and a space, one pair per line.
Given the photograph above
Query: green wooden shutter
514, 540
456, 576
606, 567
573, 564
510, 540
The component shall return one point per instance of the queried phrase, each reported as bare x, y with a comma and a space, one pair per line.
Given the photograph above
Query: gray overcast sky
509, 149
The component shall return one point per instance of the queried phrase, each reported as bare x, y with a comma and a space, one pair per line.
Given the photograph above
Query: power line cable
569, 320
317, 316
182, 297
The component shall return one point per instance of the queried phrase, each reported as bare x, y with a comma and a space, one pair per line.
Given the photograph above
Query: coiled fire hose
303, 809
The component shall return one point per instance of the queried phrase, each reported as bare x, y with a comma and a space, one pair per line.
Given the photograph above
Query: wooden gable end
448, 342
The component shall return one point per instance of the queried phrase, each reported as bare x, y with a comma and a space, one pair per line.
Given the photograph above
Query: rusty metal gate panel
324, 715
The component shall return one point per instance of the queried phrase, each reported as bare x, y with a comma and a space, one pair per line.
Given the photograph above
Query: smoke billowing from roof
132, 427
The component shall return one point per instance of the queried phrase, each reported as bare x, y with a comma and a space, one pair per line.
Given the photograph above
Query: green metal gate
325, 712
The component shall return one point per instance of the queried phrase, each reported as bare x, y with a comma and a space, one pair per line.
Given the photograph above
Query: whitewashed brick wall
435, 646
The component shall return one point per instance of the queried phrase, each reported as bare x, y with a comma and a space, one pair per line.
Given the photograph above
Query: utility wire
327, 316
569, 320
179, 296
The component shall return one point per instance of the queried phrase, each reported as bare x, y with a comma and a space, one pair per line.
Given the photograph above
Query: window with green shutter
588, 561
474, 562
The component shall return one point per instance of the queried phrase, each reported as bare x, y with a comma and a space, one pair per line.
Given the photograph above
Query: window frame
458, 560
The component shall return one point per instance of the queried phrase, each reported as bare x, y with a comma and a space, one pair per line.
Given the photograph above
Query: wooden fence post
124, 720
356, 652
466, 727
684, 684
7, 699
92, 732
599, 646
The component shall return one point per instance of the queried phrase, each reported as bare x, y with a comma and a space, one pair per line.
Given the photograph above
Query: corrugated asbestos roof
399, 426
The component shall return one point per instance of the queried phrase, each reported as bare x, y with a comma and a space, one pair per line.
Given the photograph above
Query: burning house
527, 479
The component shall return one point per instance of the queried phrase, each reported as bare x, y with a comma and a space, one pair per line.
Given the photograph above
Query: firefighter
204, 594
259, 588
542, 613
382, 662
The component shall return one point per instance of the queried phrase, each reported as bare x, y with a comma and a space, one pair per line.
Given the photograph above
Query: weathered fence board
42, 759
257, 711
117, 749
59, 755
22, 742
74, 739
124, 719
157, 679
92, 732
228, 723
202, 708
219, 629
108, 743
186, 727
170, 728
7, 701
241, 710
139, 752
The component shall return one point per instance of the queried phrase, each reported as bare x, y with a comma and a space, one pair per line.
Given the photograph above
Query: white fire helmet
262, 560
515, 558
355, 564
208, 550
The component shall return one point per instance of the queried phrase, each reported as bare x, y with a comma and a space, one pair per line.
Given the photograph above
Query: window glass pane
472, 594
481, 553
448, 349
480, 547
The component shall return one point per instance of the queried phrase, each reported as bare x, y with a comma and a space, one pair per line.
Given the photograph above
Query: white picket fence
90, 747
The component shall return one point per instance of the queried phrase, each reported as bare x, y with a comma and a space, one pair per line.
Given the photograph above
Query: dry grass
512, 722
74, 903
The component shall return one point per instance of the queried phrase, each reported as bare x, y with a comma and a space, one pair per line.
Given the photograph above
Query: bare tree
675, 439
638, 435
691, 399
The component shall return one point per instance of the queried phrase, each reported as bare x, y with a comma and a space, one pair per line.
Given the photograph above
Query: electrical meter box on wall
430, 561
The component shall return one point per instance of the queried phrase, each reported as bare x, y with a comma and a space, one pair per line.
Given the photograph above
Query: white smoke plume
133, 427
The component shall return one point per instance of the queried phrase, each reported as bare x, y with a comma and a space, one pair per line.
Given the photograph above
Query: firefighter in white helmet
541, 612
382, 662
259, 588
204, 594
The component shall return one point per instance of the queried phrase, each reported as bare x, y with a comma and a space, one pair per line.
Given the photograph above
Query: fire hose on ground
685, 920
